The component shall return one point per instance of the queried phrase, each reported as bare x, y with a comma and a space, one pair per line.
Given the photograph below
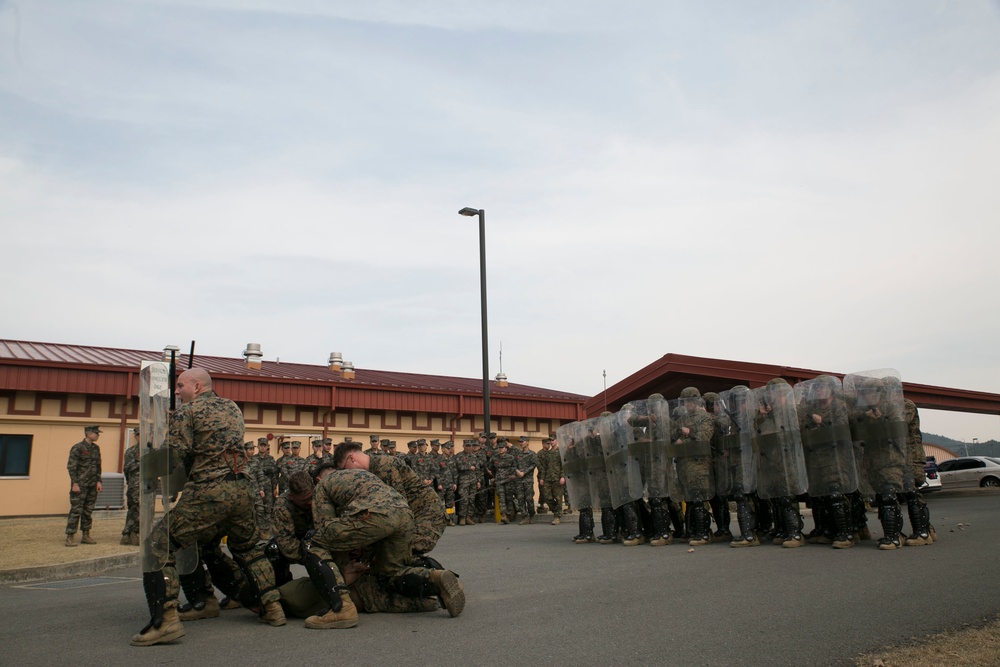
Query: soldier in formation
550, 479
130, 467
84, 467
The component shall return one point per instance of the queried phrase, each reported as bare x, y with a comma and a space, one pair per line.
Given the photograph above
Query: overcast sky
810, 184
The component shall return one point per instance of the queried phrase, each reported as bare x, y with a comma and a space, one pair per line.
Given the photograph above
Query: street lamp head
469, 211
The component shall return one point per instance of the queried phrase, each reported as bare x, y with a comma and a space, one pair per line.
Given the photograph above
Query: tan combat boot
210, 610
556, 521
86, 539
169, 630
273, 614
347, 617
450, 591
525, 521
69, 540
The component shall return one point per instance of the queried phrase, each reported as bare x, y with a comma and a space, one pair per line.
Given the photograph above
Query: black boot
793, 524
839, 515
661, 523
745, 519
821, 522
680, 530
632, 535
892, 524
586, 527
763, 516
720, 512
859, 517
920, 522
609, 526
701, 525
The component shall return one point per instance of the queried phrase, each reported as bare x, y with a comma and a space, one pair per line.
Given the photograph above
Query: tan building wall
55, 423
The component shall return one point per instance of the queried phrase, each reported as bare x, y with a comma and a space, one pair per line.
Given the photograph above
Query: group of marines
837, 446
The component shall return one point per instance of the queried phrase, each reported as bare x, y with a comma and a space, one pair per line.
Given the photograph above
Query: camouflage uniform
428, 519
920, 515
301, 600
549, 472
286, 465
218, 498
131, 469
447, 477
84, 466
467, 468
692, 453
258, 480
524, 487
270, 470
504, 464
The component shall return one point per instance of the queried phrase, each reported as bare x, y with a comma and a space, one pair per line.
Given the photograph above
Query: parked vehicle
932, 482
970, 472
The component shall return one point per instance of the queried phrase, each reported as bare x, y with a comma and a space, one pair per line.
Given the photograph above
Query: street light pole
469, 212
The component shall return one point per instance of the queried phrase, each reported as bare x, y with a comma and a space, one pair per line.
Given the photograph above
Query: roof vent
168, 349
253, 356
335, 362
501, 380
347, 369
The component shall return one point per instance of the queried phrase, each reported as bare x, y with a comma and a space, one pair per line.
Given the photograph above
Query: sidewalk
33, 549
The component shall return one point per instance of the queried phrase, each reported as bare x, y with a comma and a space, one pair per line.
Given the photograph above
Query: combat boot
347, 617
745, 519
450, 591
207, 608
273, 614
503, 519
609, 526
461, 521
793, 525
586, 527
701, 527
525, 521
70, 542
633, 536
892, 524
920, 522
556, 521
169, 630
86, 538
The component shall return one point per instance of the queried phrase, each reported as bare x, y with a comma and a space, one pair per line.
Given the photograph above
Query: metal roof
669, 374
58, 355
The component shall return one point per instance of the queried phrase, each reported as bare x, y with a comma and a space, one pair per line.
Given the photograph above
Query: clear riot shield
648, 439
569, 438
159, 474
597, 475
690, 447
735, 463
624, 478
878, 426
781, 466
826, 437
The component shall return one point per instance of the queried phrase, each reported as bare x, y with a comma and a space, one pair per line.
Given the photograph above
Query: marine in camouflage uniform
524, 486
130, 466
467, 467
218, 499
429, 522
691, 434
84, 467
286, 465
257, 478
270, 470
505, 477
314, 459
447, 481
354, 509
550, 479
375, 446
919, 513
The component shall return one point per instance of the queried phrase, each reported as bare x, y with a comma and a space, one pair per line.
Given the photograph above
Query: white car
970, 472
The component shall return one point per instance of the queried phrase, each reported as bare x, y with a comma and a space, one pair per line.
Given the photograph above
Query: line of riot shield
826, 437
569, 438
878, 423
735, 463
690, 447
624, 475
781, 466
160, 473
650, 437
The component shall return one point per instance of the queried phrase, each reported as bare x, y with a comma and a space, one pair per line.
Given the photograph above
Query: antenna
605, 374
501, 356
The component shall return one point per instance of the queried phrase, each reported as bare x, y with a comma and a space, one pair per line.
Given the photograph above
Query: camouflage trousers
696, 478
505, 498
301, 599
551, 494
132, 516
524, 495
81, 509
428, 523
204, 512
388, 533
467, 495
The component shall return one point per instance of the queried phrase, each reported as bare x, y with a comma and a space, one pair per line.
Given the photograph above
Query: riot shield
781, 467
734, 462
878, 425
826, 437
570, 441
159, 472
624, 478
650, 435
597, 475
690, 447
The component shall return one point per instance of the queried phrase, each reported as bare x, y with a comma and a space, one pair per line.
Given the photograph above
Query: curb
78, 568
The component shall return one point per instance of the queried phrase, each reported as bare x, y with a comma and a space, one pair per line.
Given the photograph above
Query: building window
15, 455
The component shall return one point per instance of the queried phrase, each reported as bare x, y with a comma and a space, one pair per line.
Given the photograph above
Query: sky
809, 184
